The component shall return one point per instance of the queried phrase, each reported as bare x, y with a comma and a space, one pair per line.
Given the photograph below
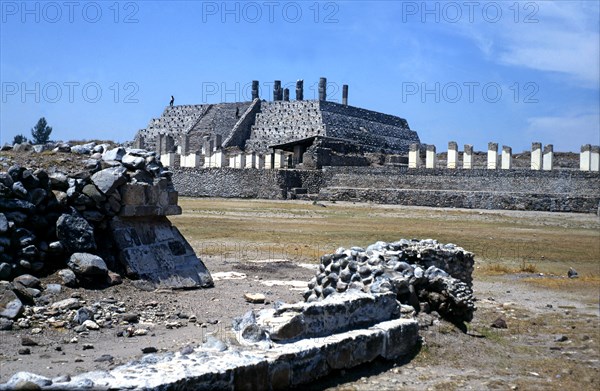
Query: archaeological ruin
322, 150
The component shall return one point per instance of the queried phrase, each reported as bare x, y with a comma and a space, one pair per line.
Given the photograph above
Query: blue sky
472, 72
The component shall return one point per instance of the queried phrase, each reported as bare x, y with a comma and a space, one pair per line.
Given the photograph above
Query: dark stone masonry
556, 191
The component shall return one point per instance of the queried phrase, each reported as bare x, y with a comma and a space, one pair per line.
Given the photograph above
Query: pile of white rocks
424, 274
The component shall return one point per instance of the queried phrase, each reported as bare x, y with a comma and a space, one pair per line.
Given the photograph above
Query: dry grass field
503, 241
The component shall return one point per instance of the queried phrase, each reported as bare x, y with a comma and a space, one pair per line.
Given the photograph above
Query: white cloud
565, 39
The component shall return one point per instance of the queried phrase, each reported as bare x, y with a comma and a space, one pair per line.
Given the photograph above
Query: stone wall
559, 190
281, 122
373, 129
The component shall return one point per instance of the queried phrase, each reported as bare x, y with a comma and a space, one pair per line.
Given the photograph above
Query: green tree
41, 132
19, 138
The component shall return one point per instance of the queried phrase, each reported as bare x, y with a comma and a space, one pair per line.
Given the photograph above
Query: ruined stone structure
108, 219
338, 149
315, 132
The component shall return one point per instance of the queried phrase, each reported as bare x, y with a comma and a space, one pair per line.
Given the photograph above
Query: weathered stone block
154, 250
133, 194
251, 377
401, 335
109, 179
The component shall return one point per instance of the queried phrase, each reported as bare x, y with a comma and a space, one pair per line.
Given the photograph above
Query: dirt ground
552, 339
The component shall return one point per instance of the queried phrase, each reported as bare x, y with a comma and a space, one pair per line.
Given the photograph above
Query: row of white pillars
218, 159
540, 159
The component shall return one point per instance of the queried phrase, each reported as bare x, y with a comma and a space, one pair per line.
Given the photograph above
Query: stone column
595, 158
492, 157
585, 157
191, 160
299, 89
345, 94
241, 160
323, 88
218, 159
452, 161
208, 145
185, 144
414, 158
286, 94
536, 156
506, 157
160, 143
430, 157
548, 159
250, 160
268, 159
277, 90
167, 146
260, 162
468, 157
280, 159
254, 89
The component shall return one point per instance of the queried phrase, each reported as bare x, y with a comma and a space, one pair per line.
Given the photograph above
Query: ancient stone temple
313, 133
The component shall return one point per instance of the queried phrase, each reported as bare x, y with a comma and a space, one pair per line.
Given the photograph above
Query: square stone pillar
595, 158
185, 145
430, 157
280, 159
506, 157
260, 162
585, 157
536, 156
192, 160
468, 157
492, 156
269, 161
218, 159
167, 159
237, 161
250, 160
209, 146
548, 159
414, 158
452, 155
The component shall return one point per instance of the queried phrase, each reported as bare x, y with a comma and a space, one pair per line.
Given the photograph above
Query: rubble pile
49, 220
425, 274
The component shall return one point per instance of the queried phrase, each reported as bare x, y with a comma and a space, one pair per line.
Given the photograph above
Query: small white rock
91, 325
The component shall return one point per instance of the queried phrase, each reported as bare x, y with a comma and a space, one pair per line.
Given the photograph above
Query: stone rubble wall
281, 122
564, 190
375, 130
49, 219
424, 274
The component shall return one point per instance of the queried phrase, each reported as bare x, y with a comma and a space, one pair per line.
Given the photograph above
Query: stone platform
217, 367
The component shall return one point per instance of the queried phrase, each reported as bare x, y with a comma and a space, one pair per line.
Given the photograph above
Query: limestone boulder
10, 305
109, 179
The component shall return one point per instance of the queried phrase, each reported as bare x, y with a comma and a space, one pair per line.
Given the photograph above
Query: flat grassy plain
502, 241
